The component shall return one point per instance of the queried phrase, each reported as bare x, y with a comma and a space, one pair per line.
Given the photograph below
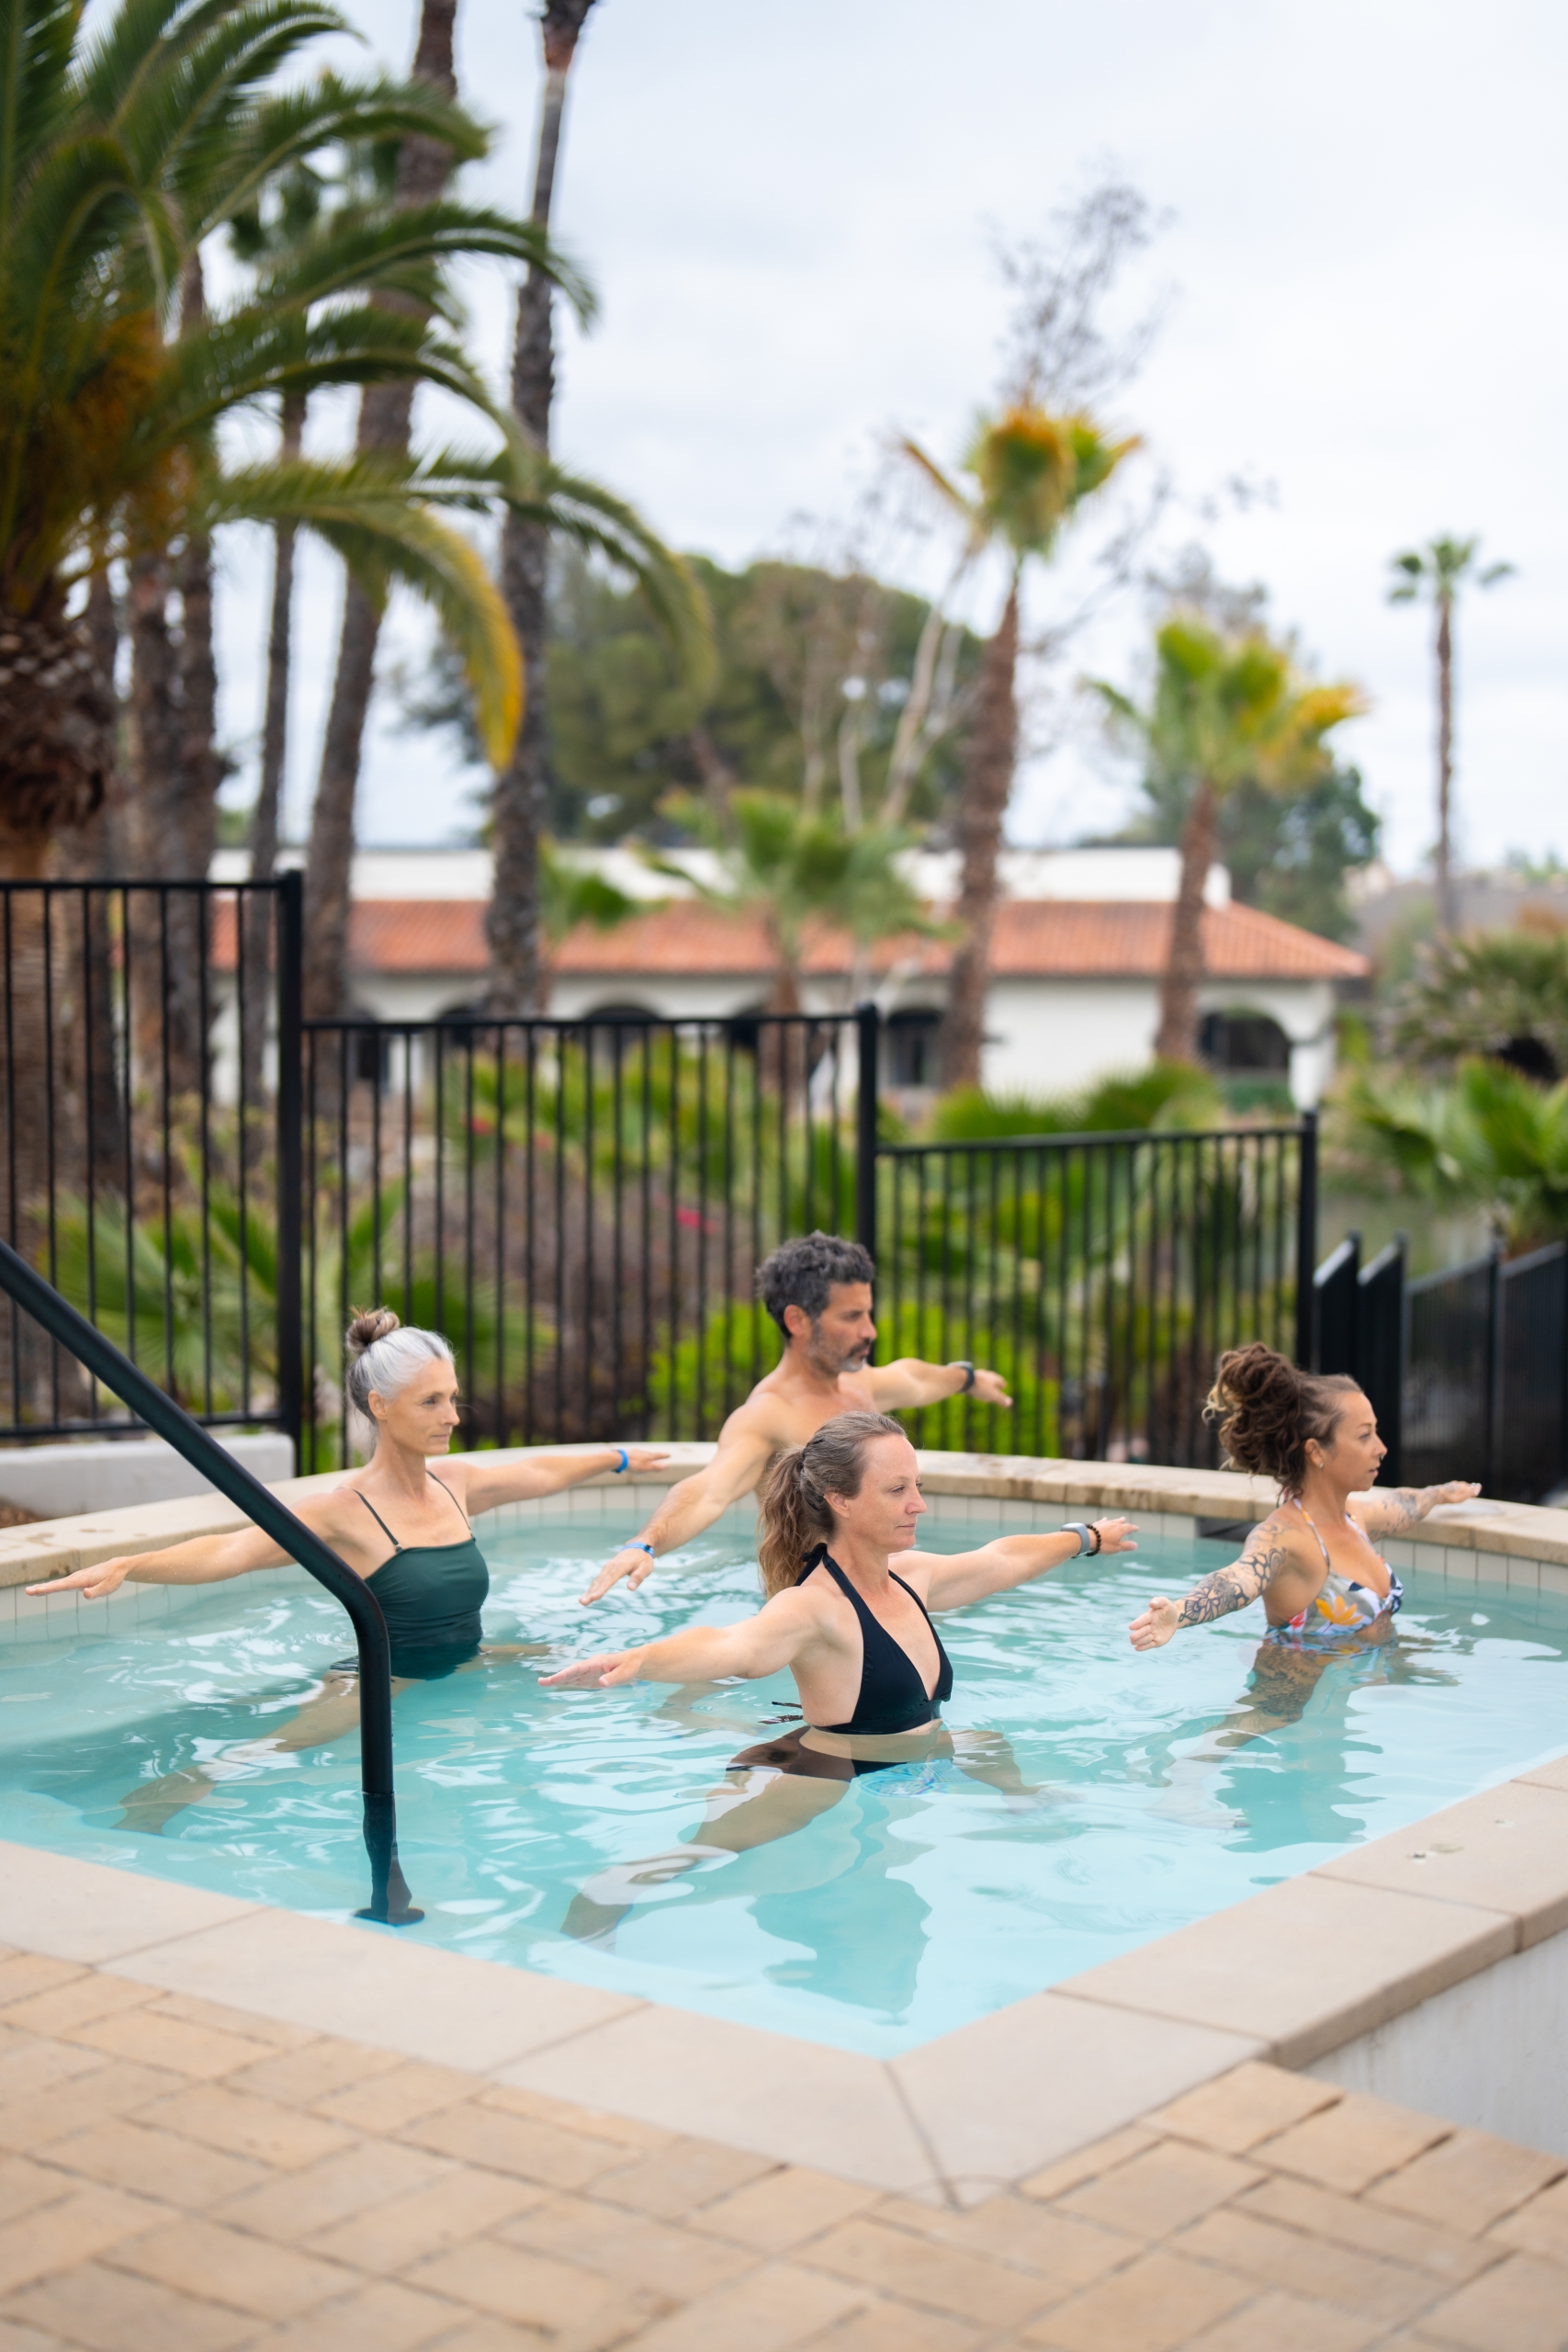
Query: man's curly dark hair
802, 1274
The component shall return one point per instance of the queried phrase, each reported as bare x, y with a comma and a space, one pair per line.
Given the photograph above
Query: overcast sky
789, 211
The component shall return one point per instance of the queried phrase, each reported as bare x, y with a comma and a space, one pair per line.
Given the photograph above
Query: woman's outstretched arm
1397, 1508
1263, 1556
953, 1579
763, 1644
488, 1484
205, 1559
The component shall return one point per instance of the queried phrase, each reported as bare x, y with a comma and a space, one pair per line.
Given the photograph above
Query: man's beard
854, 1359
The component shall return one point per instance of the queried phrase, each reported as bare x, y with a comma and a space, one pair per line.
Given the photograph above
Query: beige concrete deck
1117, 2161
183, 2175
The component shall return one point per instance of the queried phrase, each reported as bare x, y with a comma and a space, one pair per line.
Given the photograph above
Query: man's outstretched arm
898, 1386
743, 1453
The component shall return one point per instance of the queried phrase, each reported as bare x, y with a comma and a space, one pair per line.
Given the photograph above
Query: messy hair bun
1267, 1409
370, 1324
384, 1356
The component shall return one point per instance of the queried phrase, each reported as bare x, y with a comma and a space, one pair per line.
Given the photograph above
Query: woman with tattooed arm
1313, 1561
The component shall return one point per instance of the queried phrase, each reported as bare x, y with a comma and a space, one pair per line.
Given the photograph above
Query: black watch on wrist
963, 1364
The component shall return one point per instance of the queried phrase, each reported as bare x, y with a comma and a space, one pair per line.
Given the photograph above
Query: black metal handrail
389, 1901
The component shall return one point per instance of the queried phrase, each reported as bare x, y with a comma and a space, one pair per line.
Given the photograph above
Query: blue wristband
623, 1462
641, 1548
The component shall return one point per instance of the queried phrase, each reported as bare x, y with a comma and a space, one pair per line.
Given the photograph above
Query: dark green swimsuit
431, 1595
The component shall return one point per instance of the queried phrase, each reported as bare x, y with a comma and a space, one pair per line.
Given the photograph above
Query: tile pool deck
223, 2125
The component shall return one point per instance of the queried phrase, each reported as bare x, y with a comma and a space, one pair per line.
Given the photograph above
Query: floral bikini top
1342, 1607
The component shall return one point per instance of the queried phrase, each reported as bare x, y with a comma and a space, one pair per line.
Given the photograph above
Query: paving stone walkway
180, 2178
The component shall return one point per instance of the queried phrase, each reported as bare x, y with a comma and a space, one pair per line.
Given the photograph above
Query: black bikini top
892, 1696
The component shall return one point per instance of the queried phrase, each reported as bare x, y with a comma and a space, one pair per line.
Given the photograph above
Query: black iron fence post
868, 1024
1306, 1241
1337, 1301
389, 1893
290, 953
1381, 1323
1494, 1362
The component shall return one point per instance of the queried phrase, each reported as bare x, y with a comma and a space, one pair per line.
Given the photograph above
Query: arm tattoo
1233, 1587
1394, 1509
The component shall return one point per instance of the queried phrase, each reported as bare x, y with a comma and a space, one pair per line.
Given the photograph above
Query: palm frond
376, 513
365, 246
594, 518
249, 155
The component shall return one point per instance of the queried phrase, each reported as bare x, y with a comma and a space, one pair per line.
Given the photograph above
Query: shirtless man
818, 1292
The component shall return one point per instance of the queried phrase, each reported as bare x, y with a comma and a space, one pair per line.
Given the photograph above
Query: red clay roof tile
1034, 938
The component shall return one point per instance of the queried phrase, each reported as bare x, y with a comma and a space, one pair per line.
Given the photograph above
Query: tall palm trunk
266, 817
987, 786
1445, 913
154, 717
201, 767
1177, 1040
55, 749
94, 852
424, 166
513, 924
56, 736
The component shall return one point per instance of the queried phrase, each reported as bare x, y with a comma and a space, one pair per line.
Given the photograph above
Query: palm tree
304, 204
1228, 707
121, 160
518, 809
1031, 471
1439, 570
386, 412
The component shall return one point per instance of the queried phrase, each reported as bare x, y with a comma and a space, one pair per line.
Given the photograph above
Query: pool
1132, 1796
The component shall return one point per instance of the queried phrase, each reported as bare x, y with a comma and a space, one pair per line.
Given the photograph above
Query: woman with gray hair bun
848, 1609
403, 1525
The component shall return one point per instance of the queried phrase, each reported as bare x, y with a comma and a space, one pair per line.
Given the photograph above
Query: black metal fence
1467, 1368
1101, 1274
1486, 1380
149, 1157
580, 1206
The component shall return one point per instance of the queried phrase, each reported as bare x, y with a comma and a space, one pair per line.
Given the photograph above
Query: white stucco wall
1047, 1037
1051, 1036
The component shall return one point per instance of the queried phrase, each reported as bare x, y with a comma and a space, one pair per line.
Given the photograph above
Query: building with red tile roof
1074, 987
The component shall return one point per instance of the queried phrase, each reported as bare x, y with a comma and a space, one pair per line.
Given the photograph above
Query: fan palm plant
1228, 707
1491, 1139
1031, 471
788, 867
1499, 993
122, 155
1439, 570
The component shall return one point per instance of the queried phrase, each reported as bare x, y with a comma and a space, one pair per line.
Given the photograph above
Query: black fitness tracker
963, 1364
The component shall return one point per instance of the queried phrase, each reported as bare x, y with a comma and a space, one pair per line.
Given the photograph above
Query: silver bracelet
1076, 1527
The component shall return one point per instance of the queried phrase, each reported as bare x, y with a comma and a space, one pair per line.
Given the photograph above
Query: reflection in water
1313, 1791
777, 1788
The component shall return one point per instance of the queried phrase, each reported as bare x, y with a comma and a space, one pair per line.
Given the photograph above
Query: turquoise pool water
1158, 1789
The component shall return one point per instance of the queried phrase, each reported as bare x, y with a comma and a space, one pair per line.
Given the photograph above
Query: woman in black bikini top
853, 1629
855, 1632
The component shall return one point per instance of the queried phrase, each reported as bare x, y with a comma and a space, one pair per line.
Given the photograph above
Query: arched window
911, 1047
1249, 1045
